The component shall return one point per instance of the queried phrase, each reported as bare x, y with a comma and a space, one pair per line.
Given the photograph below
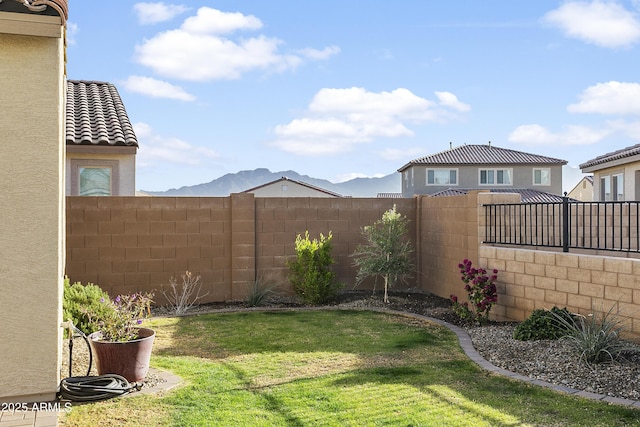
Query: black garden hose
91, 388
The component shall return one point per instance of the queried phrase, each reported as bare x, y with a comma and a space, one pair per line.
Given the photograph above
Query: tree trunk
386, 281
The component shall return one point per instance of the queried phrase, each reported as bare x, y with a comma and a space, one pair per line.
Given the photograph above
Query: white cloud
213, 21
156, 148
448, 99
609, 98
607, 24
338, 119
197, 51
573, 135
153, 13
156, 88
630, 129
316, 54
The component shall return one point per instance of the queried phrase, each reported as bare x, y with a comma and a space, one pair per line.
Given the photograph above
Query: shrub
543, 325
81, 299
311, 277
259, 290
181, 297
596, 337
387, 252
481, 292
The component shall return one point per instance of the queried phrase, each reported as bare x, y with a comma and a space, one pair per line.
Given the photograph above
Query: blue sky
336, 89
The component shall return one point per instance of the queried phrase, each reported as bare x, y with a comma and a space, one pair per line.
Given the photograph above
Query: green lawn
333, 368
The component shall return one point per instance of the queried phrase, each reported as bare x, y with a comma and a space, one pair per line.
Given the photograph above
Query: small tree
311, 277
387, 252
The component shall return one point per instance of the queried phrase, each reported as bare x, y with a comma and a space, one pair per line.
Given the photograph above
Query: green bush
544, 325
311, 276
80, 299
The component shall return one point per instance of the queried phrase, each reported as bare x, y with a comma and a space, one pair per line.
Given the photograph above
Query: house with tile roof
101, 144
616, 175
483, 167
287, 187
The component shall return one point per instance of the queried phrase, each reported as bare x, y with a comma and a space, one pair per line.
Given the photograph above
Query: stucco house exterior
101, 144
616, 175
32, 215
583, 191
481, 167
287, 187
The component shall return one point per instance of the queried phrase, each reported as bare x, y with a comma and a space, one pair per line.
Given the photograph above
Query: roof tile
614, 155
482, 155
95, 115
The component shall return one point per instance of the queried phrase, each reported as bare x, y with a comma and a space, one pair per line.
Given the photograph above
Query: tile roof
47, 7
389, 196
95, 115
526, 195
614, 155
482, 155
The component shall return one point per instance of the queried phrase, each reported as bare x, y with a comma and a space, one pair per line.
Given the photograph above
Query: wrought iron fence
611, 226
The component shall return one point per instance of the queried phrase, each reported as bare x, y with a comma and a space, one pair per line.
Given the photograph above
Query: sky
340, 89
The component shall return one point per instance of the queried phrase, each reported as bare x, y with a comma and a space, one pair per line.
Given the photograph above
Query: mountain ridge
247, 179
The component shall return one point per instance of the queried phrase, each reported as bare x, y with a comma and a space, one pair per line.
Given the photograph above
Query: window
94, 181
542, 176
94, 177
495, 176
284, 187
612, 188
442, 176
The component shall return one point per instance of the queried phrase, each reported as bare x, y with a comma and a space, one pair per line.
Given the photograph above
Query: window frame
78, 164
542, 184
495, 173
435, 184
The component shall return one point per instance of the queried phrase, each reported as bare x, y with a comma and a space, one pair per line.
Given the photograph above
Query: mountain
244, 180
358, 187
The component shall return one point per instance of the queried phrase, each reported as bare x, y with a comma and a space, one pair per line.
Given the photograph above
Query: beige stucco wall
31, 214
629, 170
126, 179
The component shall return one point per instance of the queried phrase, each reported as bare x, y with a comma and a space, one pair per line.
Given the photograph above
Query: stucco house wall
31, 204
121, 159
469, 178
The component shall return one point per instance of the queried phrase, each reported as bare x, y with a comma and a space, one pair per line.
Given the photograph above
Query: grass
333, 368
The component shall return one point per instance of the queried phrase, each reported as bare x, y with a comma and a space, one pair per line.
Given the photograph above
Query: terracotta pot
129, 359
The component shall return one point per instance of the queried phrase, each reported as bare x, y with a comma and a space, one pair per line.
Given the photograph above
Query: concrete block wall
131, 244
531, 279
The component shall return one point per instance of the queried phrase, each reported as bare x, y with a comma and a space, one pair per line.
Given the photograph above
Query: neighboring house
481, 167
287, 187
616, 175
583, 191
101, 145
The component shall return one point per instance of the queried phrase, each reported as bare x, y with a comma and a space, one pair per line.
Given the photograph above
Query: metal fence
611, 226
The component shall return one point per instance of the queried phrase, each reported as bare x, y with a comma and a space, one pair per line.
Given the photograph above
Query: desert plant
311, 277
387, 253
543, 325
259, 291
481, 292
79, 299
596, 336
181, 297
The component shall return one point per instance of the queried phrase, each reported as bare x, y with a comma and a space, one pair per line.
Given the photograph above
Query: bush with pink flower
122, 317
481, 292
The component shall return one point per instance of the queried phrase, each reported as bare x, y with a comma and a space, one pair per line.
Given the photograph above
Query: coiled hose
91, 388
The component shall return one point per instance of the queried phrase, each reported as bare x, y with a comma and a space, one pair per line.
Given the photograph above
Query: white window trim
76, 164
426, 177
495, 170
533, 178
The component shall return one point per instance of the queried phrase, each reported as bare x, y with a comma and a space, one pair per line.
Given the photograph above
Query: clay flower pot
129, 359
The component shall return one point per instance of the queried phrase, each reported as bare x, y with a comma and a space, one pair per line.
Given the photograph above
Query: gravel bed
547, 360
